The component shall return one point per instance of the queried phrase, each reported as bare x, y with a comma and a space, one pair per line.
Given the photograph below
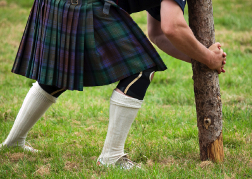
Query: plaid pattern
72, 46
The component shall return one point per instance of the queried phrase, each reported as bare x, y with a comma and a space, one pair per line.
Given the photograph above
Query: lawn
164, 136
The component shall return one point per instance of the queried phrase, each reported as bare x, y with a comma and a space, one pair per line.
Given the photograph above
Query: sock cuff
122, 100
44, 93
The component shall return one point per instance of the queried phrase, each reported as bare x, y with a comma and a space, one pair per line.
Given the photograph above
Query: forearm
179, 33
165, 45
183, 39
174, 36
157, 36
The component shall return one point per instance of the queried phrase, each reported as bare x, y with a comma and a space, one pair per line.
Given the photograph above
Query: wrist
208, 59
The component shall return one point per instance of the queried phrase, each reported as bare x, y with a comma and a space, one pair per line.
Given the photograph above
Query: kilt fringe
75, 45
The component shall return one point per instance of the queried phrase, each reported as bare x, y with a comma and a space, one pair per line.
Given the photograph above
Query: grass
164, 136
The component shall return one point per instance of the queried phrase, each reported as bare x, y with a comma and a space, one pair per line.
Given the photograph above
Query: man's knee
52, 90
136, 85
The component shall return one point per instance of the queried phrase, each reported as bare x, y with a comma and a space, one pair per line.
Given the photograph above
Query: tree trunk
206, 85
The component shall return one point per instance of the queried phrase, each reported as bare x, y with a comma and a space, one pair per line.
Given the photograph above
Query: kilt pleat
72, 46
33, 69
48, 53
62, 20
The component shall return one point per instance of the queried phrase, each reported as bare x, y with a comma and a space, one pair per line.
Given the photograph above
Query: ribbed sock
122, 113
36, 102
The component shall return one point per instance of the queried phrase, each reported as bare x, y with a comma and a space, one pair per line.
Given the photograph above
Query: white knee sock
36, 102
122, 113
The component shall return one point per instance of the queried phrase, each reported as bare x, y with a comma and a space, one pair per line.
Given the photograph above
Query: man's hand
218, 58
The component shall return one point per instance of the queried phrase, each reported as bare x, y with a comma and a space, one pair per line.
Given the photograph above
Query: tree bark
206, 85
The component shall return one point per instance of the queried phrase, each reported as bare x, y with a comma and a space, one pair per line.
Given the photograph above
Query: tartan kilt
71, 46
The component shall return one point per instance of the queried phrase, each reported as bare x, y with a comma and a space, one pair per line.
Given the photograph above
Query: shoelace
30, 148
29, 144
127, 160
27, 147
125, 163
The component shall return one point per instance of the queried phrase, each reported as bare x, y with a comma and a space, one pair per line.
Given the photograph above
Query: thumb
218, 45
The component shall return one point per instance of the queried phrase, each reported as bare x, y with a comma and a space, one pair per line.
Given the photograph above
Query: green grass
164, 136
